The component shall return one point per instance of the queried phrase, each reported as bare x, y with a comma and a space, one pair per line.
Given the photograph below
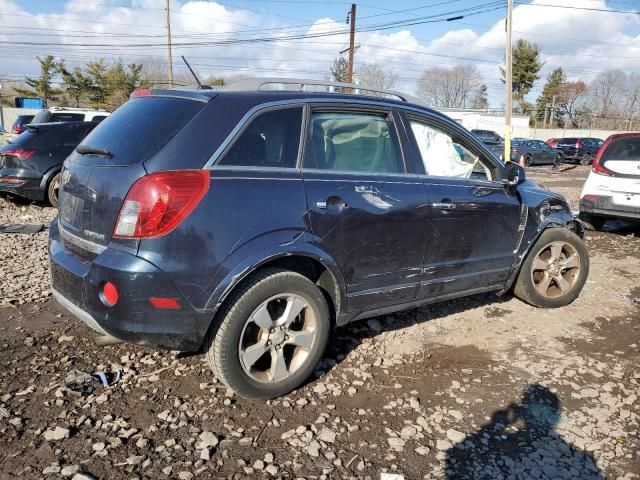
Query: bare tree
449, 87
376, 76
607, 90
631, 93
570, 97
155, 73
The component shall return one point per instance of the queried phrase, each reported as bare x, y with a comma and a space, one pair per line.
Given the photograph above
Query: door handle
443, 206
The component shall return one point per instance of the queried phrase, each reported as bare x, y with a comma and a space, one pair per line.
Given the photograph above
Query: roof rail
301, 84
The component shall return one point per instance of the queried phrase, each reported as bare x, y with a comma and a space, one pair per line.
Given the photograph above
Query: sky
219, 37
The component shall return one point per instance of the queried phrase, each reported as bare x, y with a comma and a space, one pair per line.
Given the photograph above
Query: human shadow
521, 442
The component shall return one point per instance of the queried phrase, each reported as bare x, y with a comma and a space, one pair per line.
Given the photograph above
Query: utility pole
352, 39
552, 113
169, 44
508, 89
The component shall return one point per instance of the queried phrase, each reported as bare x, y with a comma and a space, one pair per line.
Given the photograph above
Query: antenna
200, 85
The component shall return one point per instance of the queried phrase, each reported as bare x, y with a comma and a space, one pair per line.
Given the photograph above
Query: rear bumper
76, 283
21, 184
605, 207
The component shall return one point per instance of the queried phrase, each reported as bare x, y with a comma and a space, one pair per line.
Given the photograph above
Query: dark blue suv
248, 223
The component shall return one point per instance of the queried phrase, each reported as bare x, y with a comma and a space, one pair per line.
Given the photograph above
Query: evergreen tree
42, 86
77, 84
554, 86
525, 68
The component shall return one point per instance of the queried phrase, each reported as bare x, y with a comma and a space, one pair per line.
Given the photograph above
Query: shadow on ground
520, 442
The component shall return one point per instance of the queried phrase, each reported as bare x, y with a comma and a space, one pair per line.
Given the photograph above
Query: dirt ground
482, 387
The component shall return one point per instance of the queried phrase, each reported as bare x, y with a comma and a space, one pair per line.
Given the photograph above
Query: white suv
612, 189
67, 114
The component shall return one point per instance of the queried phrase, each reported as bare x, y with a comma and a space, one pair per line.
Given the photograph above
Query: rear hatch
568, 145
621, 157
99, 173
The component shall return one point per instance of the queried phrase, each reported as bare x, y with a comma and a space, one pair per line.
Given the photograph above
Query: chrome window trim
302, 102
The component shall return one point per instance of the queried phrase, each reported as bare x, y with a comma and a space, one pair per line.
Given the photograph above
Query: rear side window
622, 149
67, 117
356, 142
55, 137
141, 127
272, 139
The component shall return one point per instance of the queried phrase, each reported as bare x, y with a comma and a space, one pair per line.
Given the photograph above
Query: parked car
579, 149
612, 189
535, 152
20, 124
249, 222
552, 142
490, 138
30, 165
67, 114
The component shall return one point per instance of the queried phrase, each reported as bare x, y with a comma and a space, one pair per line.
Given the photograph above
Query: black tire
527, 161
586, 159
525, 287
52, 190
224, 338
592, 222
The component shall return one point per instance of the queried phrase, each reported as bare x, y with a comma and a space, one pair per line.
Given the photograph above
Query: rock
457, 414
135, 459
50, 470
313, 449
98, 447
207, 439
83, 476
57, 434
272, 470
258, 465
69, 470
327, 435
205, 454
320, 388
408, 432
268, 458
396, 443
455, 436
443, 445
184, 475
421, 450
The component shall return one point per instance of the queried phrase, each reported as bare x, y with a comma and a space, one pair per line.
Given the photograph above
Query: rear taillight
19, 152
597, 167
157, 203
142, 92
16, 129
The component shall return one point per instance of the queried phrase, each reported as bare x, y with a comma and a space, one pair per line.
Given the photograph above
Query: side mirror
514, 174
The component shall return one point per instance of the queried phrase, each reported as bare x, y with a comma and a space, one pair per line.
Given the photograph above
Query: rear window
64, 136
141, 127
567, 140
622, 149
24, 119
67, 117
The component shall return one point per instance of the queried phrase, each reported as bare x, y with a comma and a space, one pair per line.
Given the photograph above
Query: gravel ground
482, 387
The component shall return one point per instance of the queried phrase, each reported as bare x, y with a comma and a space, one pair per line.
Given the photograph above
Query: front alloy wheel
555, 270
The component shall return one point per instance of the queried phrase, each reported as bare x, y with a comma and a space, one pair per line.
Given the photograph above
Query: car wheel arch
48, 176
319, 268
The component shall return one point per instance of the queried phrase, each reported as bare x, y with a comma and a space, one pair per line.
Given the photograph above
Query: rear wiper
88, 150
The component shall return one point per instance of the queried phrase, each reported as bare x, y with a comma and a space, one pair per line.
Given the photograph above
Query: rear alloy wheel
270, 336
555, 270
53, 190
527, 161
586, 159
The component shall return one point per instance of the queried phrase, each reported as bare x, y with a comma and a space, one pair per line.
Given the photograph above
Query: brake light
19, 152
597, 167
142, 92
157, 203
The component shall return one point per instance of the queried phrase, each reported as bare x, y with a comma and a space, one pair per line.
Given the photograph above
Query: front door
366, 211
474, 223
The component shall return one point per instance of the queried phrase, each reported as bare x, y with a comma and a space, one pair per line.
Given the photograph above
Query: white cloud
596, 33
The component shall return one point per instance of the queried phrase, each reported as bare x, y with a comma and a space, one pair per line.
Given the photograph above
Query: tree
569, 98
77, 84
96, 72
375, 76
481, 100
555, 80
340, 70
42, 86
525, 68
449, 87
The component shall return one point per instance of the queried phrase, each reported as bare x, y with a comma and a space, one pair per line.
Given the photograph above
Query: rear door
368, 211
473, 227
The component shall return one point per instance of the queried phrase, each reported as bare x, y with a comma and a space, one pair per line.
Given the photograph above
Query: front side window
353, 142
445, 156
270, 140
